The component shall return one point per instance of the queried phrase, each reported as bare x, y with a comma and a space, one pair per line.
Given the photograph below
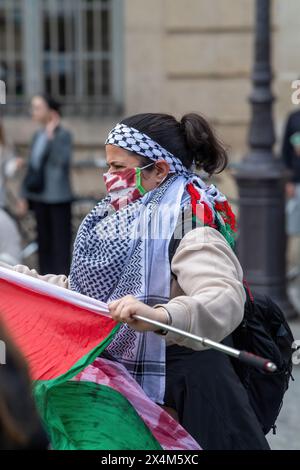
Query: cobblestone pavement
288, 423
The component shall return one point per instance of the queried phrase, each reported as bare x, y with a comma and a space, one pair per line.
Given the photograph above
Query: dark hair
51, 102
192, 140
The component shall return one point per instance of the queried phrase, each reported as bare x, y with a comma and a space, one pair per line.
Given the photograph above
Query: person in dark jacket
291, 158
47, 186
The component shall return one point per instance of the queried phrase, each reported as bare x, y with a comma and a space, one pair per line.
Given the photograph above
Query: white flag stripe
46, 288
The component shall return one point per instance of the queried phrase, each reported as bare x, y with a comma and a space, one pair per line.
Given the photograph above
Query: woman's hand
52, 124
123, 310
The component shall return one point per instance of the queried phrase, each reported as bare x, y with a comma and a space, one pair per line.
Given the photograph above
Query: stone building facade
171, 56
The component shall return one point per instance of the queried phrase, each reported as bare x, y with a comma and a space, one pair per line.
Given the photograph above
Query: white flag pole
244, 356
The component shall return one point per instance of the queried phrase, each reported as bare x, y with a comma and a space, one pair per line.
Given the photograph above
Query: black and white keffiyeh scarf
123, 252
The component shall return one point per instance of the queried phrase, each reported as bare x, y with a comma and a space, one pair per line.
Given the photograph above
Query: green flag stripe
86, 415
97, 410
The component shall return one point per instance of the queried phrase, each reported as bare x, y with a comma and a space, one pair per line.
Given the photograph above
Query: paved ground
288, 423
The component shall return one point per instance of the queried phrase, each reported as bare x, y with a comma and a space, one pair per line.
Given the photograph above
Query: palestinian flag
84, 400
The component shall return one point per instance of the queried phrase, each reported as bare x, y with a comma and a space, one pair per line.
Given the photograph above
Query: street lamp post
260, 178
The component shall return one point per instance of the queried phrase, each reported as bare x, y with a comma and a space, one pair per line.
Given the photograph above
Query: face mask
125, 186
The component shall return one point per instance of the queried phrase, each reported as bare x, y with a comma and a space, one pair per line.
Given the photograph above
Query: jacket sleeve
59, 280
62, 153
211, 277
23, 192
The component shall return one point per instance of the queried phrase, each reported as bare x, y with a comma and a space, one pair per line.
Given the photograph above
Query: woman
10, 240
47, 186
121, 256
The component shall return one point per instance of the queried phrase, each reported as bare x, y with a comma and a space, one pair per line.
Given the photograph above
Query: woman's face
119, 159
40, 111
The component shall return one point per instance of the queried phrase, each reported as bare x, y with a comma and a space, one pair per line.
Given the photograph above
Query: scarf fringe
227, 214
221, 217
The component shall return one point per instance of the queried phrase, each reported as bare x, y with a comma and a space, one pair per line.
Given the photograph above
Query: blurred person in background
291, 158
10, 241
46, 187
20, 426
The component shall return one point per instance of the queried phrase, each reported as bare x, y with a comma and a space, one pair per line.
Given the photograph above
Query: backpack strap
248, 290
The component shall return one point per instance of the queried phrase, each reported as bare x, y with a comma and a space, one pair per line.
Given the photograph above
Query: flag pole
243, 356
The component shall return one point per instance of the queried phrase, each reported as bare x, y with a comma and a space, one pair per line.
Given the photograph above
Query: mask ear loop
139, 186
163, 180
139, 178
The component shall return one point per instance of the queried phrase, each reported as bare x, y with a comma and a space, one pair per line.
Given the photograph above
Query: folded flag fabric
85, 401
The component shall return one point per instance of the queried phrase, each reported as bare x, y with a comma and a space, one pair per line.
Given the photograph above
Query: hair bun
206, 150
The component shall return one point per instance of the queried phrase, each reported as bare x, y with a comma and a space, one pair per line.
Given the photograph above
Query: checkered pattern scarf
116, 254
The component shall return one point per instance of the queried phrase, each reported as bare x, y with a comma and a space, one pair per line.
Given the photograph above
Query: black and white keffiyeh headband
135, 141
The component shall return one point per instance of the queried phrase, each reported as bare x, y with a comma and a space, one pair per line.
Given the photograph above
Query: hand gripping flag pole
243, 356
16, 301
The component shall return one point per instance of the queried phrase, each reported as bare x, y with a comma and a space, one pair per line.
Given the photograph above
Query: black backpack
265, 332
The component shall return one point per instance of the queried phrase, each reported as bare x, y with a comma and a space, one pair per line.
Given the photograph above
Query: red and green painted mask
125, 186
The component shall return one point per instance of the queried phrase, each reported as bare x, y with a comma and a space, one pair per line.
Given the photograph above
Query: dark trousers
210, 400
54, 237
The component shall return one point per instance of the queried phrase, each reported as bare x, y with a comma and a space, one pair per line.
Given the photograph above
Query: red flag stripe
52, 334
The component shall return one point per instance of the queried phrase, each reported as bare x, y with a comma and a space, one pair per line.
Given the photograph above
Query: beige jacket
207, 296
